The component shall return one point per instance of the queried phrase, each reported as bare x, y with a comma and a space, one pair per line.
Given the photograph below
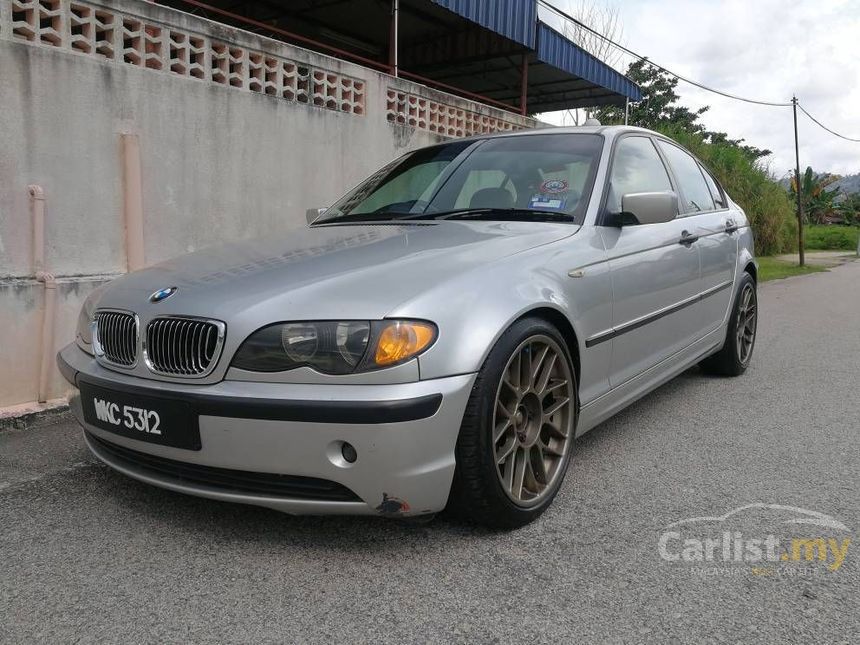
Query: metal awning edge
556, 50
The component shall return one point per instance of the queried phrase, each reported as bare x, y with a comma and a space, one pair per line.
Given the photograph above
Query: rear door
705, 207
655, 277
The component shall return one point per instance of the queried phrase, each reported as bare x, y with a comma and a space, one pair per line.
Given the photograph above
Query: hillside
847, 185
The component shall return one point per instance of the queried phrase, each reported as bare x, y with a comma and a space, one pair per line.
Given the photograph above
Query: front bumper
404, 435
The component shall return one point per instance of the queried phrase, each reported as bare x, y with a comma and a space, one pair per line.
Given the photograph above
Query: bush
831, 238
749, 183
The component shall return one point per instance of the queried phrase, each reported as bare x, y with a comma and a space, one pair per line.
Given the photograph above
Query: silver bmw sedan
435, 339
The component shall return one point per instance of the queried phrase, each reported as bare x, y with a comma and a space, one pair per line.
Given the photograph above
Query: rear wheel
517, 434
734, 358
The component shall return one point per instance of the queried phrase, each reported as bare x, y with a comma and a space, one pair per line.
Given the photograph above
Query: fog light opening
341, 454
348, 452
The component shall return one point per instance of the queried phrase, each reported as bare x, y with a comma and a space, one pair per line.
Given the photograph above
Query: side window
491, 182
637, 168
696, 195
716, 193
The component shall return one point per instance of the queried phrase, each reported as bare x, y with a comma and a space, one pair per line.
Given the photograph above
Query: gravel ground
88, 555
821, 258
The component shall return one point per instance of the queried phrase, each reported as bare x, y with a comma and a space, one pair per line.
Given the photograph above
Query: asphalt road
87, 555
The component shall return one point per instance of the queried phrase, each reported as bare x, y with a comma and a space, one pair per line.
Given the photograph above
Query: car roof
610, 131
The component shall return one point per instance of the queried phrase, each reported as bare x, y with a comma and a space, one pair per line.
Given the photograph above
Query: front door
655, 275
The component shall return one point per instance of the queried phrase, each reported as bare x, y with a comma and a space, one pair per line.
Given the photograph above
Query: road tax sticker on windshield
548, 202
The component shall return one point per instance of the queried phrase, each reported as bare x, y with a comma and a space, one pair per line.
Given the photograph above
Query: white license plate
140, 419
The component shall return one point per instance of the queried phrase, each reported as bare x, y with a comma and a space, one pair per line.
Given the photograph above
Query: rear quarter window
716, 191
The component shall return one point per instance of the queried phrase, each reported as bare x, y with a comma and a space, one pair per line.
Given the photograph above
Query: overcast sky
762, 49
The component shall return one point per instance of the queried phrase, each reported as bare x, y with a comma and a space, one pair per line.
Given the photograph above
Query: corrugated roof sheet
514, 19
554, 49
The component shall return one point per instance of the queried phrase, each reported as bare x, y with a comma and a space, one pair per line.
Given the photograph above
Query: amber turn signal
402, 340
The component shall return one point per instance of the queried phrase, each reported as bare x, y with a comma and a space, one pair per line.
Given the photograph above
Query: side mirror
313, 213
647, 208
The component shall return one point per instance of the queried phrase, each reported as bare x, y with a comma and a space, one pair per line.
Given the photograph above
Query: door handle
731, 227
687, 238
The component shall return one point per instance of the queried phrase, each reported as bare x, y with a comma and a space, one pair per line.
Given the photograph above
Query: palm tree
817, 202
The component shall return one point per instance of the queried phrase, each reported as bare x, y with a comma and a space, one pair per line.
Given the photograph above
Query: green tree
849, 208
658, 105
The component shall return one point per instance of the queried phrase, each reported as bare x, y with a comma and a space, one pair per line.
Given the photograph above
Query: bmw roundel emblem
162, 294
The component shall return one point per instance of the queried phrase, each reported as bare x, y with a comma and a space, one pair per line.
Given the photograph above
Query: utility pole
393, 38
797, 187
524, 85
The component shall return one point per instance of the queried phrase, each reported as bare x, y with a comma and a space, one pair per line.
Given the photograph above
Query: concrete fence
146, 133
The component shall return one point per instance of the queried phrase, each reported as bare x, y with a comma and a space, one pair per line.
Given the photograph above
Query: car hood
324, 272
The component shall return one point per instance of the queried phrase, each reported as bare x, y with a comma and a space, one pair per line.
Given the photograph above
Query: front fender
473, 311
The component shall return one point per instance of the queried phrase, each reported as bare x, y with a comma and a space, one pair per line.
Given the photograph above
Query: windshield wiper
501, 214
365, 217
498, 214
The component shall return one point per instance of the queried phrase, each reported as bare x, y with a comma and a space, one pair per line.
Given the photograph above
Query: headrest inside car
492, 198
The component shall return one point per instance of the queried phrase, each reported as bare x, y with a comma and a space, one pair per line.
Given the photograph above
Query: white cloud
762, 49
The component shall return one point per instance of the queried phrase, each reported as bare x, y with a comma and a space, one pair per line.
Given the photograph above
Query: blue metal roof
556, 50
514, 19
570, 76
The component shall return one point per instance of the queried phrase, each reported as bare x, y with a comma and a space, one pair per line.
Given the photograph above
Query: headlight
84, 332
334, 346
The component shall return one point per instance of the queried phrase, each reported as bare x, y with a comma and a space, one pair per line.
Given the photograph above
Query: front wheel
518, 430
734, 358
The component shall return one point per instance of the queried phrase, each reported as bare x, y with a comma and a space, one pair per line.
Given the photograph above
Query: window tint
402, 183
719, 200
420, 181
696, 196
637, 168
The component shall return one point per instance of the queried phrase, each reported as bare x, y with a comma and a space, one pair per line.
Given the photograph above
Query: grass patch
773, 269
831, 238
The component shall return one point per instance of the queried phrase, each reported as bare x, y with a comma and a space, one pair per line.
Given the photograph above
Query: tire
533, 422
734, 357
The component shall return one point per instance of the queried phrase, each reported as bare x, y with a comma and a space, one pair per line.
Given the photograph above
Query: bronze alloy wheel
533, 420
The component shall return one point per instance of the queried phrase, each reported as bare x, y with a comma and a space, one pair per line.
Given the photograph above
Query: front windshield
532, 177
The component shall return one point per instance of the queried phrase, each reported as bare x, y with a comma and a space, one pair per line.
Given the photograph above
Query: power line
630, 52
821, 125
